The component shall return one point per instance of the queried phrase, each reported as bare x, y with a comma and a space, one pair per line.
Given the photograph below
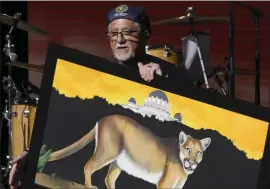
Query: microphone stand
256, 14
231, 88
257, 61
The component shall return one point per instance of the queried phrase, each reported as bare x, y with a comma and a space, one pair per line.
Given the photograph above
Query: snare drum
166, 53
23, 117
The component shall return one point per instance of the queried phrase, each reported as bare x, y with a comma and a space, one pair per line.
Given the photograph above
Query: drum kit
220, 78
191, 58
20, 107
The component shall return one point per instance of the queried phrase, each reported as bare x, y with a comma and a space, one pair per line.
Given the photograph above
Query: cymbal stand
189, 12
219, 82
10, 88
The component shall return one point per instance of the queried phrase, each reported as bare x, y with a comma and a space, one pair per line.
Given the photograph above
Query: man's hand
17, 171
147, 71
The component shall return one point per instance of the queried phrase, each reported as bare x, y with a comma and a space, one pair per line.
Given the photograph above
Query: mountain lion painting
128, 146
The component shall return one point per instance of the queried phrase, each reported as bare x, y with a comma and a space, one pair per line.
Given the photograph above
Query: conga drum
23, 117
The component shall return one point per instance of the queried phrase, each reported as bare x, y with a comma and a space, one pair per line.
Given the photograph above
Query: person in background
129, 29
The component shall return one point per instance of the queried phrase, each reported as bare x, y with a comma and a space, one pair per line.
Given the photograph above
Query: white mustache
117, 47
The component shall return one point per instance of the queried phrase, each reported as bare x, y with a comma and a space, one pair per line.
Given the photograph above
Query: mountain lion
126, 145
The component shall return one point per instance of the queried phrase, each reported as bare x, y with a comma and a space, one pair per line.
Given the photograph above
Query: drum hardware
31, 94
185, 20
191, 17
219, 82
220, 71
10, 87
8, 84
36, 68
167, 51
214, 78
13, 111
164, 52
20, 24
22, 126
26, 113
238, 71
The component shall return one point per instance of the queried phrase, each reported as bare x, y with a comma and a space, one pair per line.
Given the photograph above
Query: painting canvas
98, 125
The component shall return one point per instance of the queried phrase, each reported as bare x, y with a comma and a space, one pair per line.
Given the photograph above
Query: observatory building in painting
155, 105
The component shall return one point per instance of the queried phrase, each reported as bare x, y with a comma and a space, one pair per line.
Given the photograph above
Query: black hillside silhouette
223, 165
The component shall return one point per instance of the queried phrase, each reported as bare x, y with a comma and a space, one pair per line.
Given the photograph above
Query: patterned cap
136, 14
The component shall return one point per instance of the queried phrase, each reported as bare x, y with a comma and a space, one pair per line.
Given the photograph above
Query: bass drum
166, 53
23, 118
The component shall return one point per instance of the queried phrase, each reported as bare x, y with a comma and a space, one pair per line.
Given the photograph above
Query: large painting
98, 125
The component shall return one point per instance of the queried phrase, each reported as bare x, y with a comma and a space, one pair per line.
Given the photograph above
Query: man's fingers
152, 64
152, 73
17, 170
143, 71
16, 174
18, 158
159, 72
140, 65
155, 68
15, 160
13, 176
147, 71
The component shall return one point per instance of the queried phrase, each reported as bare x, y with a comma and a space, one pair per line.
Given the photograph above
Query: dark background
69, 119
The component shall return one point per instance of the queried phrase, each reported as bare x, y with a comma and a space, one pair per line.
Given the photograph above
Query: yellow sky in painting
247, 134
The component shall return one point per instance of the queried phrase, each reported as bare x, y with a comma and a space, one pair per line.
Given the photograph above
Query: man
128, 31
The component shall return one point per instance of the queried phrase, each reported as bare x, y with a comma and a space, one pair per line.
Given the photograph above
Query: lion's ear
205, 143
182, 138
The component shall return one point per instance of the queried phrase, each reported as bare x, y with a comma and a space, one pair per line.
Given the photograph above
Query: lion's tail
76, 146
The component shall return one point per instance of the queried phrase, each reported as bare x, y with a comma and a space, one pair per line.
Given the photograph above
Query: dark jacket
177, 75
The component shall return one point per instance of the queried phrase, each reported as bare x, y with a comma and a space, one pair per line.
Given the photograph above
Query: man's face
124, 36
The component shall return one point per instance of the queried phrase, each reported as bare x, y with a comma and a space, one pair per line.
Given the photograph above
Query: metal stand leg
219, 82
202, 64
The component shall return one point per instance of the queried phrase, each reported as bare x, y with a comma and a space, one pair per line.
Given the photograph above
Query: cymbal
238, 71
36, 68
9, 20
182, 20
